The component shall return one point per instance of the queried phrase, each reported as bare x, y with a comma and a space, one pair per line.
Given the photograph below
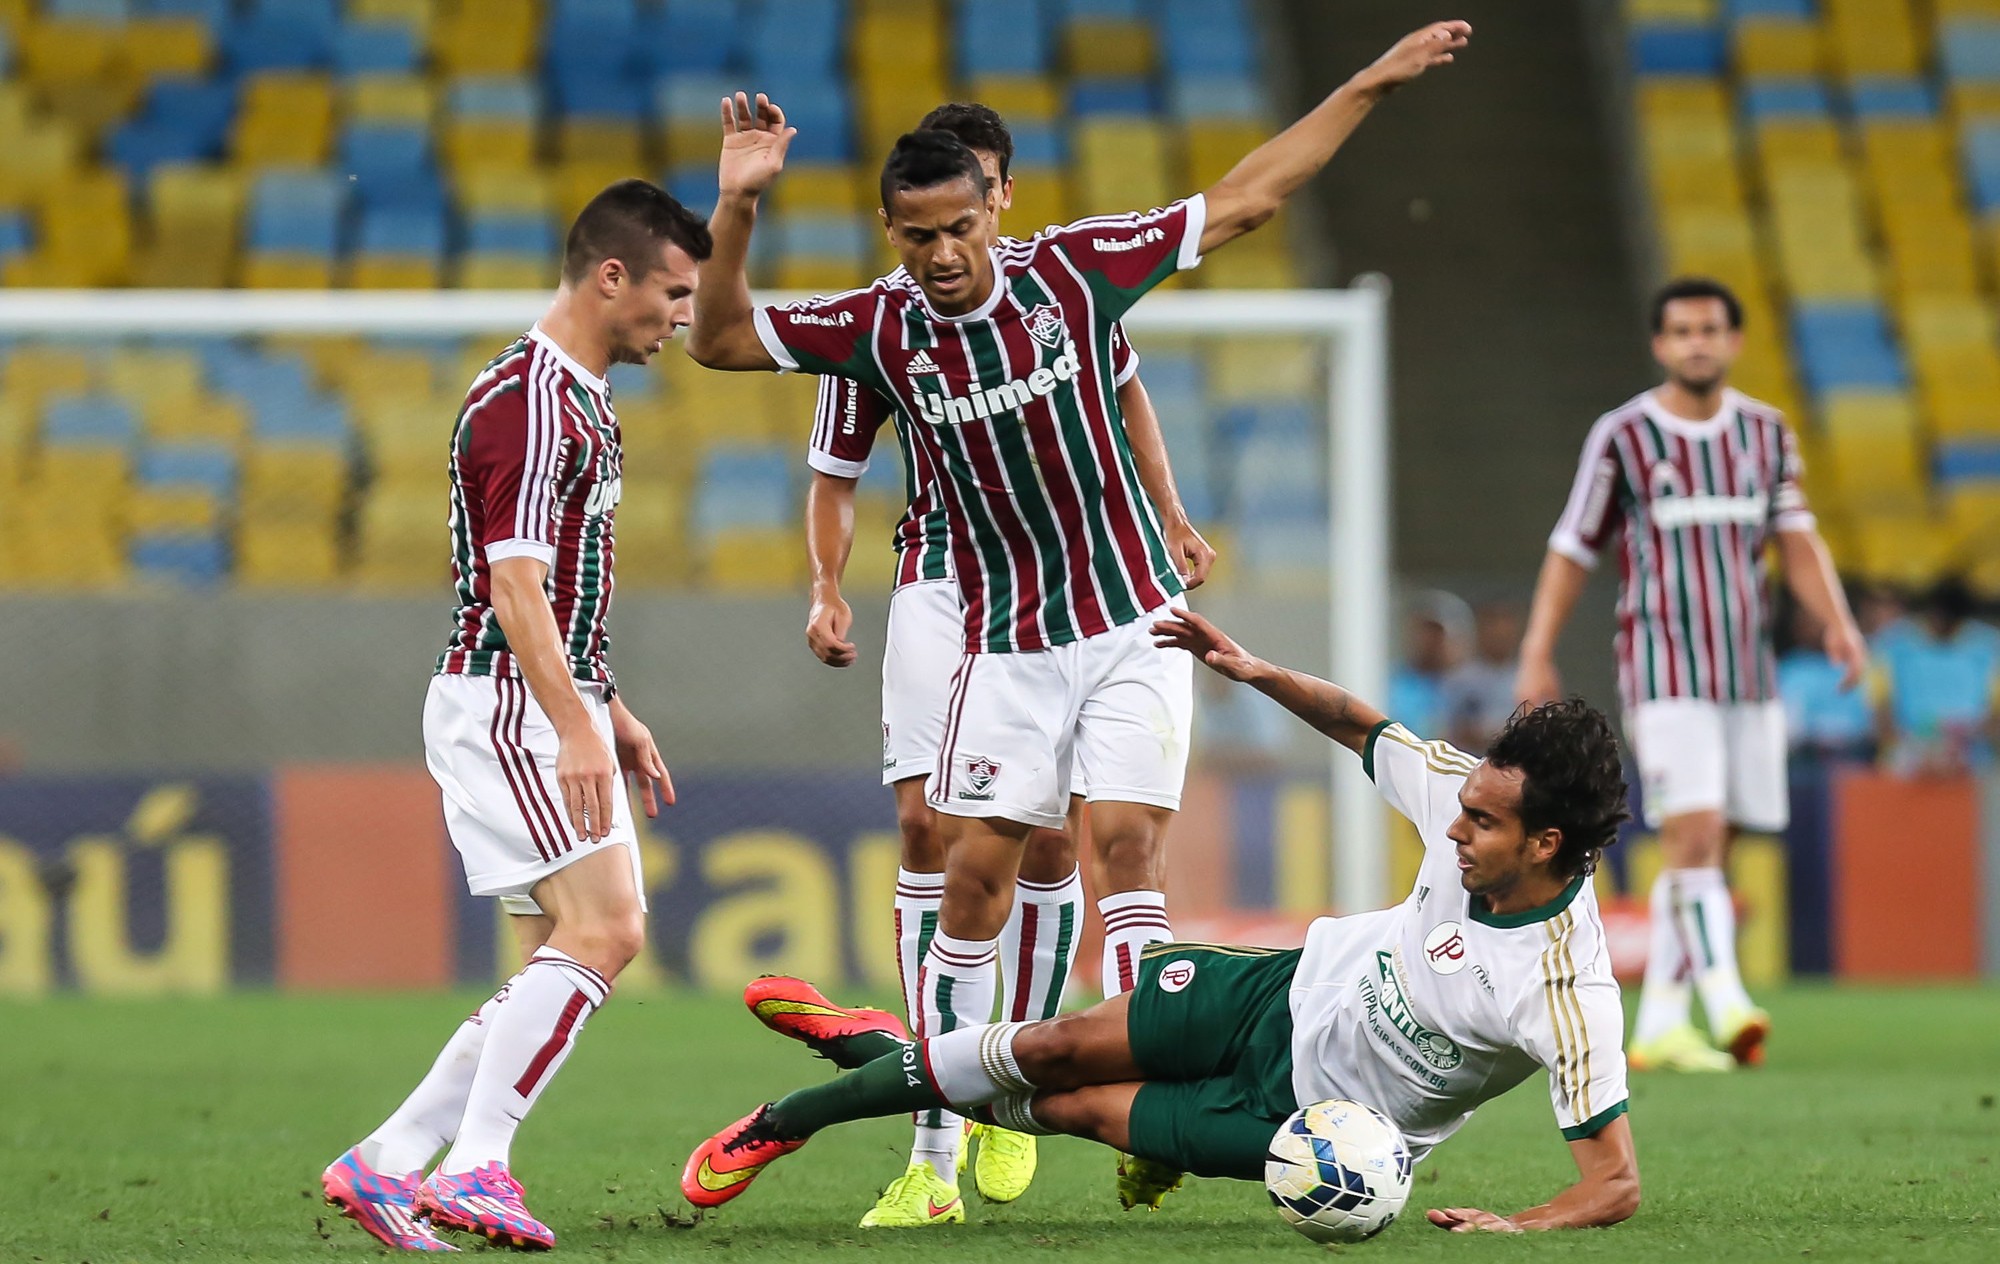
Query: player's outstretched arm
1607, 1193
1255, 188
754, 140
1192, 554
1810, 574
586, 772
1324, 705
829, 540
1556, 590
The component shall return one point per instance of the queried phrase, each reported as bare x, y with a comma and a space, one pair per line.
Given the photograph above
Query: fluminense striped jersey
536, 469
848, 418
1012, 413
1697, 502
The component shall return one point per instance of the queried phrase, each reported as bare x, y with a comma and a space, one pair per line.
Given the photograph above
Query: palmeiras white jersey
1431, 1008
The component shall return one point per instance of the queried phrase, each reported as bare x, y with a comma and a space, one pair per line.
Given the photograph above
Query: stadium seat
192, 558
1678, 49
787, 40
652, 552
398, 247
374, 48
295, 223
284, 118
399, 529
1122, 164
281, 35
389, 165
491, 37
690, 36
1777, 46
389, 99
1003, 37
1845, 345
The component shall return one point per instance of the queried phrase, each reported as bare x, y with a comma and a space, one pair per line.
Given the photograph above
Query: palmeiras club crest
979, 774
1046, 325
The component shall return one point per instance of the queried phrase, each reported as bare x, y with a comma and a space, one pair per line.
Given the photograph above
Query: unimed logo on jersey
940, 409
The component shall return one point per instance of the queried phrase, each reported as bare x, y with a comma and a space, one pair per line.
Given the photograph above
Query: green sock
894, 1084
851, 1053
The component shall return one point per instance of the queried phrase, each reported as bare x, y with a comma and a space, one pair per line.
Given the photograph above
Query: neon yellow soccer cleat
1144, 1183
917, 1198
1743, 1034
1678, 1049
1005, 1166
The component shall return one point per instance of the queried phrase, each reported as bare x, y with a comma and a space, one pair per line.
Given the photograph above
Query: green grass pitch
147, 1131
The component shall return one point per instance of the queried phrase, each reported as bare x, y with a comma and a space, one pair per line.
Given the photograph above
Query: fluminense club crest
979, 774
1045, 323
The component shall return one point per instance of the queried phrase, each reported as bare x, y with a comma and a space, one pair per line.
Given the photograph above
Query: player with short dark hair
1697, 478
524, 729
922, 644
1495, 966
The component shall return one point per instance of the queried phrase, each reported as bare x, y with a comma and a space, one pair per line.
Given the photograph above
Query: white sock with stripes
428, 1117
975, 1065
1132, 919
917, 898
1708, 921
532, 1024
1038, 945
1665, 997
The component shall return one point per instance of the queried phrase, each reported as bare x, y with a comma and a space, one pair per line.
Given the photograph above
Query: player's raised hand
1470, 1220
1434, 45
1195, 555
640, 756
588, 777
827, 624
754, 141
1186, 630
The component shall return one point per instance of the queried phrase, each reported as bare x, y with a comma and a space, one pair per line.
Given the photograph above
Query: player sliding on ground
1000, 357
922, 646
523, 729
1493, 967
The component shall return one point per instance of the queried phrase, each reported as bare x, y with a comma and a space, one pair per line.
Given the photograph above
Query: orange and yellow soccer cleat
848, 1038
724, 1165
1744, 1034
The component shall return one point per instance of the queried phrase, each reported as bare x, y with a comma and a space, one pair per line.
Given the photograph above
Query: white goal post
1354, 322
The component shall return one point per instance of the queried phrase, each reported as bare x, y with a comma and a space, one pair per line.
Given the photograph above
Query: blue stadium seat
589, 40
138, 147
1003, 37
197, 559
694, 186
208, 467
213, 13
1800, 10
1276, 477
401, 230
313, 419
796, 39
6, 52
601, 96
511, 235
361, 48
17, 236
1276, 549
1982, 165
1040, 145
700, 36
1785, 98
1846, 345
682, 98
280, 35
260, 379
1880, 97
1968, 462
632, 381
1089, 97
1172, 377
1679, 49
494, 96
804, 235
1211, 49
200, 108
110, 12
744, 487
883, 479
93, 419
1970, 50
1217, 97
821, 111
391, 165
1117, 10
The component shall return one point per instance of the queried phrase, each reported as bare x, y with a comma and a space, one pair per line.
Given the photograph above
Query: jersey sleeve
1789, 511
1570, 1019
1420, 779
828, 335
1123, 256
1124, 357
845, 424
511, 459
1593, 512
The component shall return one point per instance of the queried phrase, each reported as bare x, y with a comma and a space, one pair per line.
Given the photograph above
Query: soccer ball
1338, 1171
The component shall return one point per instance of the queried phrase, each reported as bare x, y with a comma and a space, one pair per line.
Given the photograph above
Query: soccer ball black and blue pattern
1338, 1171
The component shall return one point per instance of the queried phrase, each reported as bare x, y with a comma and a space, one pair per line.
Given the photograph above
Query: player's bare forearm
829, 542
1321, 703
724, 332
1608, 1191
1256, 187
1810, 573
1556, 590
521, 604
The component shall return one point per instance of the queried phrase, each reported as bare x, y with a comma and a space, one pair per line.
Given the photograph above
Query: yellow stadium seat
386, 98
1874, 452
137, 375
293, 482
394, 272
1897, 150
754, 559
152, 509
485, 37
1019, 99
1122, 164
907, 39
37, 160
86, 223
149, 48
400, 538
58, 51
723, 406
1109, 48
1778, 47
1815, 213
1948, 321
59, 542
1041, 198
1243, 369
1786, 143
1973, 100
1686, 98
1215, 147
886, 111
1974, 511
92, 473
599, 140
1247, 270
1930, 248
409, 435
576, 183
495, 146
504, 272
491, 189
287, 554
1946, 10
823, 188
287, 272
194, 416
1708, 242
368, 375
32, 374
186, 198
1671, 10
819, 276
652, 548
1909, 548
1874, 37
418, 15
286, 118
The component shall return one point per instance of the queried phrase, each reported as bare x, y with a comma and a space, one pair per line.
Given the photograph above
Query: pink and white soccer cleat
382, 1204
485, 1201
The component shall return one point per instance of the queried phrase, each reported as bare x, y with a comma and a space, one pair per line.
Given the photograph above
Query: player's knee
1050, 856
1072, 1113
609, 944
923, 843
1130, 860
1048, 1054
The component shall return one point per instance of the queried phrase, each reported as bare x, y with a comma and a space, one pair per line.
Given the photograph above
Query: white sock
534, 1021
1037, 947
974, 1066
1132, 919
1663, 1001
428, 1117
1708, 920
917, 898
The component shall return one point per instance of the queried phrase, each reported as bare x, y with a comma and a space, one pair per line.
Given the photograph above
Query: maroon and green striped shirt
536, 470
1011, 412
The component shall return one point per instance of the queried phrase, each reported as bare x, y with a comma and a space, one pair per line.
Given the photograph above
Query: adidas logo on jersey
921, 365
955, 410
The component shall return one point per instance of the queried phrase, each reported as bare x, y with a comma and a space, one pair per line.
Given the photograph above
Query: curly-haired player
1494, 966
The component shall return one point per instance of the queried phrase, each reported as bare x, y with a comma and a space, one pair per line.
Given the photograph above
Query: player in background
923, 642
1699, 478
1494, 967
524, 729
999, 356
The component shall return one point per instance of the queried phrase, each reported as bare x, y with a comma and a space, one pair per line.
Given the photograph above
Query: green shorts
1211, 1027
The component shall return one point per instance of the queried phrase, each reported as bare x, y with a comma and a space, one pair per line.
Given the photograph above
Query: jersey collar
1693, 427
980, 312
568, 361
1476, 908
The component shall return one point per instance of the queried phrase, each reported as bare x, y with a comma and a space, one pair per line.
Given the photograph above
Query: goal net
223, 584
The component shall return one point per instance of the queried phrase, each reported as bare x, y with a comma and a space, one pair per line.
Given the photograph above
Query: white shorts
492, 751
1697, 756
1110, 715
920, 654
